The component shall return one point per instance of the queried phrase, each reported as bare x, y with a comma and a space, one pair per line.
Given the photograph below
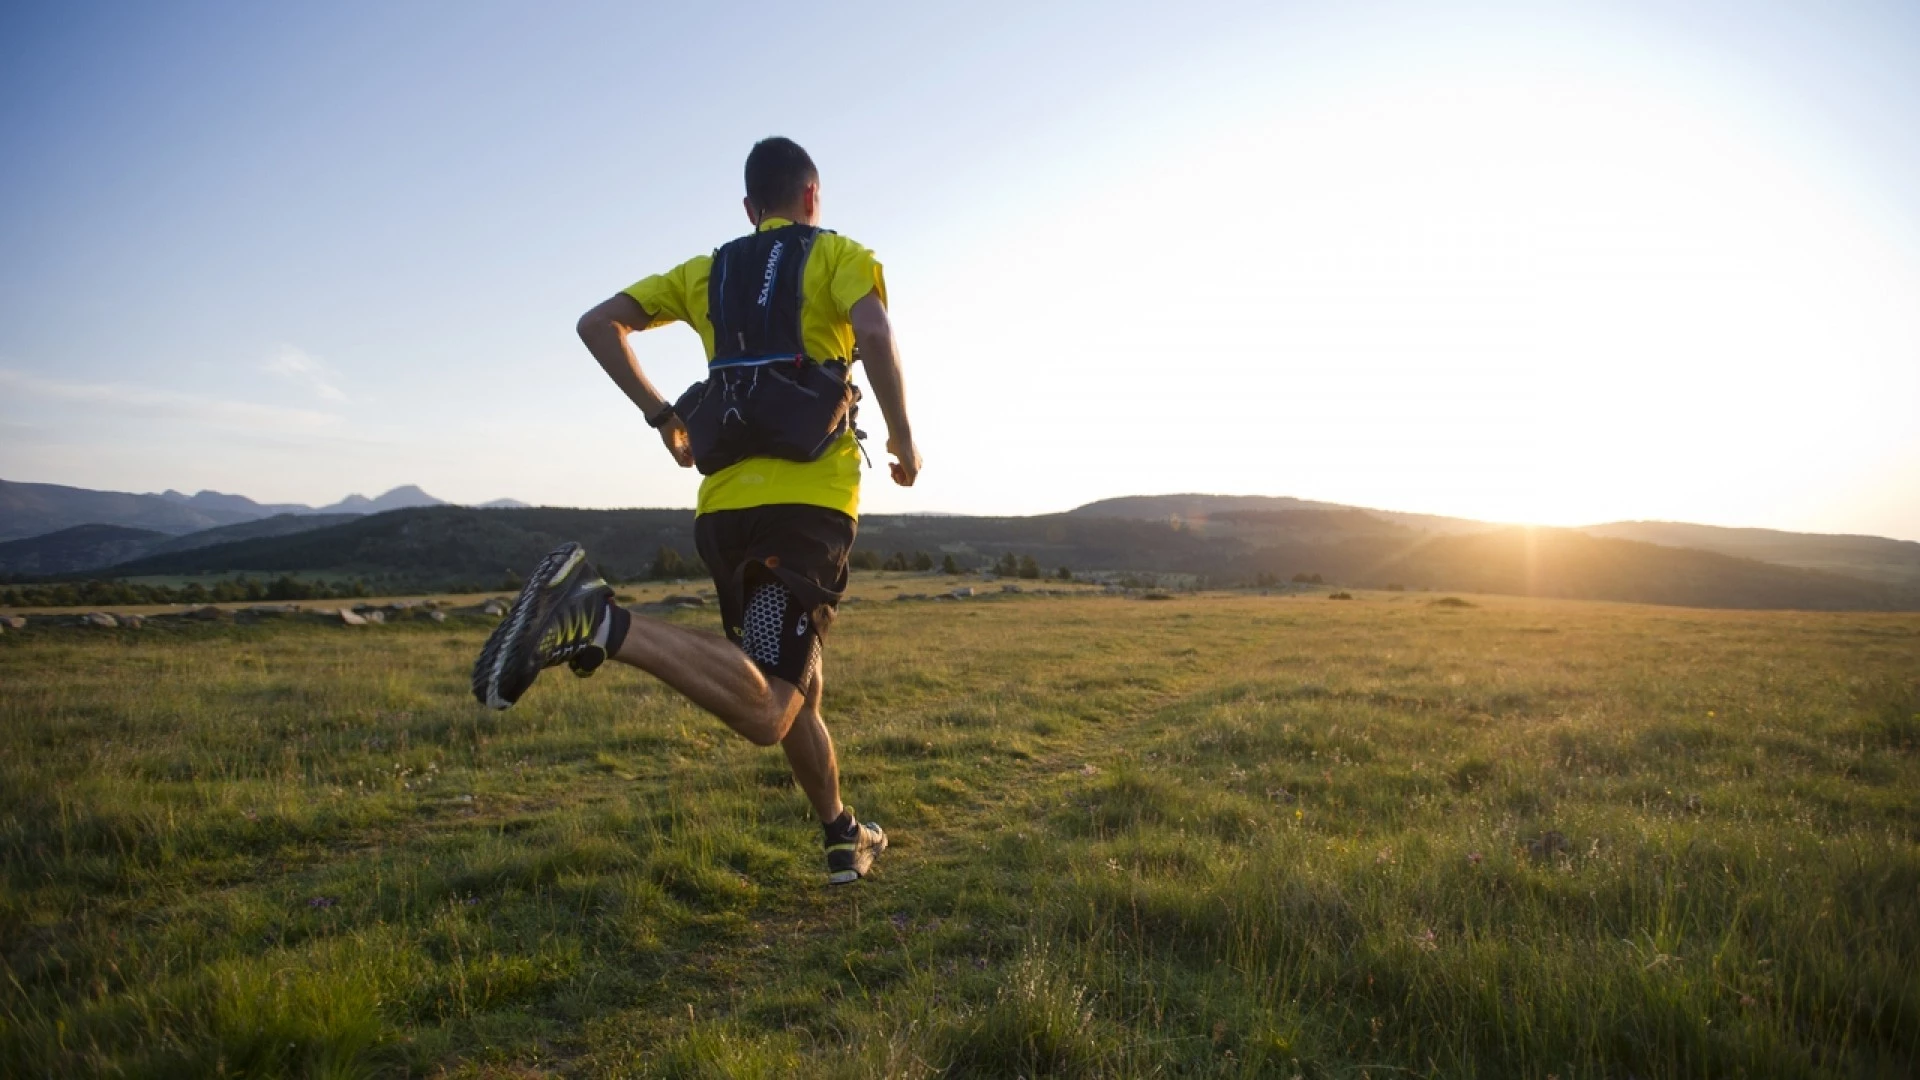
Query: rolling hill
84, 548
446, 547
37, 509
75, 549
439, 546
1874, 558
1199, 511
28, 510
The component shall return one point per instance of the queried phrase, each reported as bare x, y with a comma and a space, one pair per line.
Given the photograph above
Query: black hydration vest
753, 295
763, 395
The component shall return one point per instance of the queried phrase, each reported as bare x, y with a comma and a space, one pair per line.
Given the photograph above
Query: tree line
1007, 565
228, 590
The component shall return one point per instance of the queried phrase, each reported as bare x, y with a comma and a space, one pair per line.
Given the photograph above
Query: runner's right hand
673, 434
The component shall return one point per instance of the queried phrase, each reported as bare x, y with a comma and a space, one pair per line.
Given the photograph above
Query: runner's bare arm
873, 334
603, 330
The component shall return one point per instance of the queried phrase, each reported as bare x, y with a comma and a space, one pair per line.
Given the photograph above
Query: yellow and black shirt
839, 273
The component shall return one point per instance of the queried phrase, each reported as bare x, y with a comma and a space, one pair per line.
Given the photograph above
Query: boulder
133, 622
495, 607
374, 616
13, 622
100, 619
962, 592
350, 617
437, 616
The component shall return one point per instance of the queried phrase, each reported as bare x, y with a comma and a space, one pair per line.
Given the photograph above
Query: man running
774, 531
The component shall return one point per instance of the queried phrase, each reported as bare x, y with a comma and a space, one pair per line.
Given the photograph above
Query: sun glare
1529, 296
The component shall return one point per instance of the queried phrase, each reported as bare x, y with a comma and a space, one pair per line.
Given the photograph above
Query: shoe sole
557, 564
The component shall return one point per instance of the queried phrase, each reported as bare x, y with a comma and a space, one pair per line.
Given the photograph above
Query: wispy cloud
296, 366
125, 399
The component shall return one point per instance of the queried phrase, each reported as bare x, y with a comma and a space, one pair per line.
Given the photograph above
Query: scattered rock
495, 607
350, 617
208, 613
100, 619
683, 600
965, 591
905, 596
375, 616
437, 616
133, 622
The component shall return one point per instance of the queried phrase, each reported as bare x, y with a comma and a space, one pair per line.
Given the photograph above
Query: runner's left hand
907, 469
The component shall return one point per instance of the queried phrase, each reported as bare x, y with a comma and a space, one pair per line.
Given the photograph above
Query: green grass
1212, 836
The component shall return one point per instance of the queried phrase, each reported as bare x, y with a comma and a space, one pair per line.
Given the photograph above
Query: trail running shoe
850, 854
551, 622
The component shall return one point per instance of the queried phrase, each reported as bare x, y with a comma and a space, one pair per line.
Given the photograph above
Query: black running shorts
780, 572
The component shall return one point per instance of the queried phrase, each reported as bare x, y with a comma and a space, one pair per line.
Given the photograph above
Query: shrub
667, 564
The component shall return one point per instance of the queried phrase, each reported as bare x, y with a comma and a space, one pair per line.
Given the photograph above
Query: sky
1553, 263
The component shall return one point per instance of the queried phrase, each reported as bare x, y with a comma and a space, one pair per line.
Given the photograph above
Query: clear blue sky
1557, 263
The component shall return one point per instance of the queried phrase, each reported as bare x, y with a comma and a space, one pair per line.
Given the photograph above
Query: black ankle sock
618, 622
842, 827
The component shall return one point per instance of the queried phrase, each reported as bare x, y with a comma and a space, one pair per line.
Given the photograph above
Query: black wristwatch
665, 414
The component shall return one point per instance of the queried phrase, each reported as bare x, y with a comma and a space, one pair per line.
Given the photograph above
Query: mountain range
31, 510
426, 544
1223, 539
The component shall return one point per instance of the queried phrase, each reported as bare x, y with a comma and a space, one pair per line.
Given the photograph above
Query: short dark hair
778, 170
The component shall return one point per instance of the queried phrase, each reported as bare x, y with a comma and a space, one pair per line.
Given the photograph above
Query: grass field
1210, 836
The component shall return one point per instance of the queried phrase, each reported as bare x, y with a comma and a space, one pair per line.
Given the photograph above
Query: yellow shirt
839, 273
